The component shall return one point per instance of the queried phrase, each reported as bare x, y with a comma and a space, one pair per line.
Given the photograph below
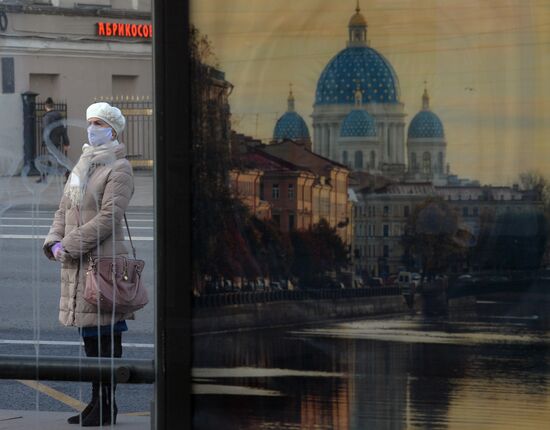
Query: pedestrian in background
87, 224
54, 133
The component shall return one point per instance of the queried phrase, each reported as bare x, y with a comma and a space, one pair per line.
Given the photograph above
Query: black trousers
100, 346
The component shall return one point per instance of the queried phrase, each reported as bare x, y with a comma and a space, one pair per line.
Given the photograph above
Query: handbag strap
127, 228
130, 237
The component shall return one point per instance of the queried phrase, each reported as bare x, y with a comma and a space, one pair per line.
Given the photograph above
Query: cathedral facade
359, 120
359, 79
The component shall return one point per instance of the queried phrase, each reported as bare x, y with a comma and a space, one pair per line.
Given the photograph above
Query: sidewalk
20, 191
42, 420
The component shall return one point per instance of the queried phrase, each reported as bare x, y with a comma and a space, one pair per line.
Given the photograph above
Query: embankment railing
240, 298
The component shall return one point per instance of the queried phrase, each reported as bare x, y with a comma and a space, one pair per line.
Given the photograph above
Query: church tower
426, 145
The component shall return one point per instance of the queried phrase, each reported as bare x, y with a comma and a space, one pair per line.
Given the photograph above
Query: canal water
486, 370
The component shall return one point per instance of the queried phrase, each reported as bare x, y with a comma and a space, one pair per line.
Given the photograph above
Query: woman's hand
58, 251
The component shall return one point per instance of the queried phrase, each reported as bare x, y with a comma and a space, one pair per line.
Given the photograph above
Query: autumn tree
228, 241
536, 183
318, 251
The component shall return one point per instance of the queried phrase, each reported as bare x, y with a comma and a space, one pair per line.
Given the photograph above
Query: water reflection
376, 374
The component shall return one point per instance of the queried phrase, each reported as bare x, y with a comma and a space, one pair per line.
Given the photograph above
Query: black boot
105, 411
91, 348
98, 414
108, 390
95, 399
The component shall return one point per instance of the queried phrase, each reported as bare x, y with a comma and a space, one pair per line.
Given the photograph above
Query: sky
486, 64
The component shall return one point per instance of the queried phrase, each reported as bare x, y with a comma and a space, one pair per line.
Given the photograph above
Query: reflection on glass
58, 58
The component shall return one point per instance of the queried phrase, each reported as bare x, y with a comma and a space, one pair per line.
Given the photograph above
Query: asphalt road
29, 286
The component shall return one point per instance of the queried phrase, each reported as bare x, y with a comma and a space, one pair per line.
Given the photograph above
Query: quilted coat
95, 228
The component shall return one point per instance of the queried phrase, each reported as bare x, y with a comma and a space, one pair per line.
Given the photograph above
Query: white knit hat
110, 114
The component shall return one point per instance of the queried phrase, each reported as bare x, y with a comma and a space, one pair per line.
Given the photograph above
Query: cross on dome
357, 28
425, 97
290, 105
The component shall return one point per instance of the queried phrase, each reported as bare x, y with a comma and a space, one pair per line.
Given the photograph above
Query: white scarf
91, 157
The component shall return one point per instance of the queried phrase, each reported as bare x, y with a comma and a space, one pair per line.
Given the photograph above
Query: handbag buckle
125, 270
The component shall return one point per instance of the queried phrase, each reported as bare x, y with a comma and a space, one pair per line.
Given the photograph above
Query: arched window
358, 159
440, 162
373, 160
426, 163
345, 158
414, 162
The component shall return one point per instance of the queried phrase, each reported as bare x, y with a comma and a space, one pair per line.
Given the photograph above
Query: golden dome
357, 20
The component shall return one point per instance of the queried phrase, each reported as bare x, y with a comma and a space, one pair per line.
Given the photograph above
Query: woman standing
89, 223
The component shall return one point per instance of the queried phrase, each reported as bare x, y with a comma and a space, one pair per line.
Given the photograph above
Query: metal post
172, 176
29, 130
52, 368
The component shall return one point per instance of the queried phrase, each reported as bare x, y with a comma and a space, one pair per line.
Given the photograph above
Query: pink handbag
116, 281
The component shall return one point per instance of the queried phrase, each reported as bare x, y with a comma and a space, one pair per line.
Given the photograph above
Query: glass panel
438, 315
64, 191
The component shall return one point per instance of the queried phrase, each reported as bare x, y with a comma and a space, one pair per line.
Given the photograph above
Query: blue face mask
99, 135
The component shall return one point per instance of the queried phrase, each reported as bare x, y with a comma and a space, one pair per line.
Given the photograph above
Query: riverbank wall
302, 312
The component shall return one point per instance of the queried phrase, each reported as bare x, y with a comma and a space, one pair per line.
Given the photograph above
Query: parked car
275, 286
407, 282
228, 286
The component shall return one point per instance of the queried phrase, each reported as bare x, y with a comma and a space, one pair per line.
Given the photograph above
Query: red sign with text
119, 29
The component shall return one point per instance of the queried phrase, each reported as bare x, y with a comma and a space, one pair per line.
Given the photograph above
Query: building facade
246, 185
381, 215
380, 218
300, 187
77, 52
329, 191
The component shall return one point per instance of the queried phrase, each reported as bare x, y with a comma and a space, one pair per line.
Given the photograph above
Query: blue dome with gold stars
358, 123
426, 124
357, 65
291, 126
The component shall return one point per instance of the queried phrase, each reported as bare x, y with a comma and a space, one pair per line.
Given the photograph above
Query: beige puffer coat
100, 231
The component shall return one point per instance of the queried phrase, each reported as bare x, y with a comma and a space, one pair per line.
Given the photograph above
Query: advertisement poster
371, 200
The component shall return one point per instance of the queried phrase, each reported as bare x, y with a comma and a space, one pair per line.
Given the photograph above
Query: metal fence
40, 111
138, 133
240, 298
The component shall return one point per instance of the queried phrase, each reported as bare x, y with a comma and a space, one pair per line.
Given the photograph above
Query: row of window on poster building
295, 187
